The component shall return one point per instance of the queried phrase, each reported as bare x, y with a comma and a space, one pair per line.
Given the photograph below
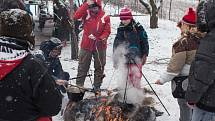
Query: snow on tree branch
146, 5
151, 4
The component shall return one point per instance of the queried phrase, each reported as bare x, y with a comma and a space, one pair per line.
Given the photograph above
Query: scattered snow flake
9, 98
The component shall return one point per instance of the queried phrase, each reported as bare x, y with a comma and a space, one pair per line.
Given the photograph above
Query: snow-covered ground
160, 42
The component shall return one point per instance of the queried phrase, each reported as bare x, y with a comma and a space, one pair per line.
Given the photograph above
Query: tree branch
161, 4
153, 4
146, 5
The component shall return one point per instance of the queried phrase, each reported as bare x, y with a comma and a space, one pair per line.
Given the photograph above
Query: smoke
130, 74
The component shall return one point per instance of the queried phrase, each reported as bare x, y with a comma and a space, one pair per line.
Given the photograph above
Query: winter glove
191, 105
61, 82
144, 59
62, 85
92, 37
158, 82
104, 40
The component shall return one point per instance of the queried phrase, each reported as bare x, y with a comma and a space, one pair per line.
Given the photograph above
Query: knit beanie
125, 14
17, 23
190, 17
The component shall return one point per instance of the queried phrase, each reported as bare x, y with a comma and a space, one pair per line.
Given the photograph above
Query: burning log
105, 108
97, 109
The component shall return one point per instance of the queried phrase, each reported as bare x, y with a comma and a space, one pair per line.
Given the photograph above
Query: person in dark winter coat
43, 16
27, 7
51, 49
61, 24
96, 27
183, 53
201, 88
131, 43
27, 90
133, 37
78, 24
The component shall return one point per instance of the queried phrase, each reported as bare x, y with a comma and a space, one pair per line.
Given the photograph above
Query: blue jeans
201, 115
185, 111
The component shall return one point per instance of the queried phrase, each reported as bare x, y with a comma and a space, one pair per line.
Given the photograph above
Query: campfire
106, 108
108, 113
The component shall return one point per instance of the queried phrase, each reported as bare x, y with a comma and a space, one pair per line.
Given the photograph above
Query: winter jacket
61, 16
27, 90
97, 25
61, 20
55, 67
183, 53
54, 64
134, 38
201, 89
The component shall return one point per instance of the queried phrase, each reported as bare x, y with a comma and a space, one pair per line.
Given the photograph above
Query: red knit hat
190, 17
125, 14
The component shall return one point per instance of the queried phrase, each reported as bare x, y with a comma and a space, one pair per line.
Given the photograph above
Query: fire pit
102, 109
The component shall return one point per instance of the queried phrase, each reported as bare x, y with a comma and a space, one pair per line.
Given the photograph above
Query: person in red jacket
96, 27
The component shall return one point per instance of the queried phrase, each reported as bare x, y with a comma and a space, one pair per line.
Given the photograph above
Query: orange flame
110, 113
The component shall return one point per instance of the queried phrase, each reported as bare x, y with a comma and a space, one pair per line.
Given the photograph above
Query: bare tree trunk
170, 8
73, 37
154, 15
153, 11
161, 12
79, 4
47, 5
146, 6
154, 20
161, 9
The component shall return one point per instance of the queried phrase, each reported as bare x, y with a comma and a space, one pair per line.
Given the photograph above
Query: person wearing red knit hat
125, 14
190, 17
188, 21
183, 53
132, 41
